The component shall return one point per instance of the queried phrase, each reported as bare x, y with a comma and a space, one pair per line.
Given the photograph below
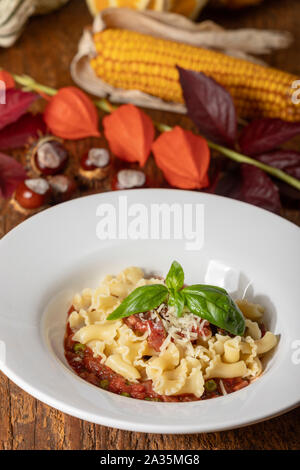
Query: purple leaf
230, 184
264, 134
259, 189
11, 173
285, 160
16, 135
249, 184
17, 103
209, 106
290, 196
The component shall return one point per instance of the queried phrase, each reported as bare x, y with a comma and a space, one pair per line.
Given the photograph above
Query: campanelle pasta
156, 355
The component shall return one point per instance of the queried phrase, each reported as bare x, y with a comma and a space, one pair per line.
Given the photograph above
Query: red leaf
259, 189
17, 134
7, 79
17, 103
285, 160
209, 106
11, 173
265, 134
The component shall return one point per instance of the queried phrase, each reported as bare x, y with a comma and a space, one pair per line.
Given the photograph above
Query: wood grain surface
44, 51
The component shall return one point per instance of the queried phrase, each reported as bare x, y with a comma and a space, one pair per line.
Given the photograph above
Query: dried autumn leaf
285, 160
214, 174
11, 173
17, 134
265, 134
229, 184
7, 78
288, 161
17, 103
209, 106
258, 189
71, 114
183, 157
130, 133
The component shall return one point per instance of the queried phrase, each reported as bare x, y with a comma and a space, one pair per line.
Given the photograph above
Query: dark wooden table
44, 51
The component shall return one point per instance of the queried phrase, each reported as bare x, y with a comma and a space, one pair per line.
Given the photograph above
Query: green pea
211, 385
125, 394
79, 348
104, 383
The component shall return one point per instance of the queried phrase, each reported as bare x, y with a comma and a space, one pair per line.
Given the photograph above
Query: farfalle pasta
158, 354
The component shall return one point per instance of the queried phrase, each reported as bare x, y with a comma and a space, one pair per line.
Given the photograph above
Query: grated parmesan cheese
181, 330
223, 390
166, 343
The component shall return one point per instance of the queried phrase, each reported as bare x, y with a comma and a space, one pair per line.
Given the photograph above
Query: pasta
250, 310
157, 355
266, 343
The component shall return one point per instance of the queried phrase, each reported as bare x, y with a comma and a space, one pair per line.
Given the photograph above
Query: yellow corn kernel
131, 60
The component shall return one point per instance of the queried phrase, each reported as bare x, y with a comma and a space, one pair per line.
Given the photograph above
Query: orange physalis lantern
7, 78
71, 114
183, 158
130, 133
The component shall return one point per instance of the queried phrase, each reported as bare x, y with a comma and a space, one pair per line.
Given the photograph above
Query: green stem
29, 83
106, 106
161, 127
238, 157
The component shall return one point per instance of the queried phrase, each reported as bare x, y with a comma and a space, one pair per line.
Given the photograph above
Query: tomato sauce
235, 384
140, 323
90, 368
263, 329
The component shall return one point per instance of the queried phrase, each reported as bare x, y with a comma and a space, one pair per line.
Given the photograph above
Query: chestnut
63, 187
95, 164
129, 179
32, 195
48, 156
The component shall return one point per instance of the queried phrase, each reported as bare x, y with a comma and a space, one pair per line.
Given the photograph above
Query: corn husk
240, 43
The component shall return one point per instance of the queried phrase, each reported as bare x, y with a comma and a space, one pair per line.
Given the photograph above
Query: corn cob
130, 60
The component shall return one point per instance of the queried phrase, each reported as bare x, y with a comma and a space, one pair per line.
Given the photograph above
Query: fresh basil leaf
176, 299
215, 305
175, 276
142, 299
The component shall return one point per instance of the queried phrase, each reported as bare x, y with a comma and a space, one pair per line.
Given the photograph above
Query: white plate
56, 253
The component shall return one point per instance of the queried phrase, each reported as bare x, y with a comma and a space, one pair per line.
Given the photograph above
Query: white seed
37, 185
131, 179
59, 183
98, 157
48, 157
